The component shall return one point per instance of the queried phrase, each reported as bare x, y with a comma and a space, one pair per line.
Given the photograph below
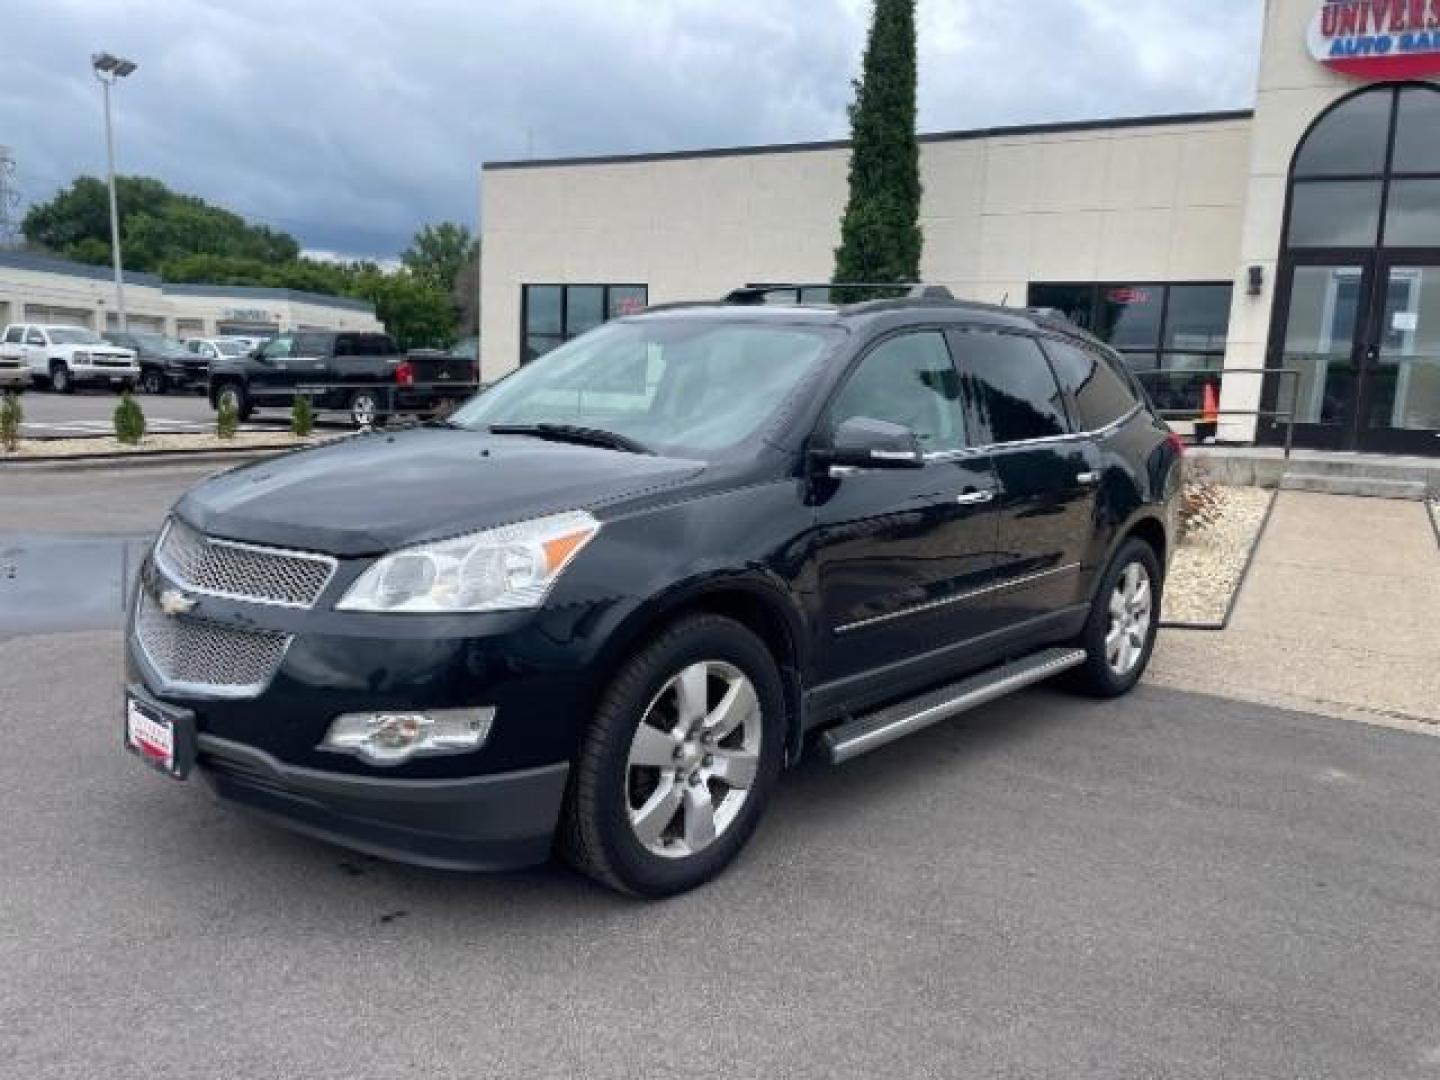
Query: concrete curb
1433, 509
153, 458
1239, 582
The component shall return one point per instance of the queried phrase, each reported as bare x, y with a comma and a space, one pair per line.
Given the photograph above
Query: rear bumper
12, 377
494, 822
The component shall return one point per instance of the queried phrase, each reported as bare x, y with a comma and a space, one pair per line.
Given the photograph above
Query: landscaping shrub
227, 419
1202, 504
129, 421
12, 415
302, 416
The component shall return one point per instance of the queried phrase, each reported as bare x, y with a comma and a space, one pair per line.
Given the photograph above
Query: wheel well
762, 620
1153, 533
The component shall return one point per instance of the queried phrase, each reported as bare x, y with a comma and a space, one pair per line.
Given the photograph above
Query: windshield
231, 348
160, 345
73, 335
683, 388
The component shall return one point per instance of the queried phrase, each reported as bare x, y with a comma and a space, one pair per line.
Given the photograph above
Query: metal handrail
1199, 415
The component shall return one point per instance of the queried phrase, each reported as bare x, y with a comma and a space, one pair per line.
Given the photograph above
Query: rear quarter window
1101, 395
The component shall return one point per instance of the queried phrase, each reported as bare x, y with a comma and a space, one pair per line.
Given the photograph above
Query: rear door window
1100, 395
1014, 391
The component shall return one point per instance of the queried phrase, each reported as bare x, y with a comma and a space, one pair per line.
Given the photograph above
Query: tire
365, 410
236, 392
1118, 642
605, 830
152, 381
60, 379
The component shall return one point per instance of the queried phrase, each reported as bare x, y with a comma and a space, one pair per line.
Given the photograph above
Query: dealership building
1288, 254
41, 289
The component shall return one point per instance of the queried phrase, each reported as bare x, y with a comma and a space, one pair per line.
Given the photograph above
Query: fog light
388, 738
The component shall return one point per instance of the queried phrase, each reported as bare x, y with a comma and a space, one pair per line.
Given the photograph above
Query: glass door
1321, 325
1401, 396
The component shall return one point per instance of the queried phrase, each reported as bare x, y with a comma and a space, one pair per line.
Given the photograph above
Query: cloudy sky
350, 122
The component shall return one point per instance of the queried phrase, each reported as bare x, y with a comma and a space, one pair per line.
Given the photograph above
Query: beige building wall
1161, 202
1293, 90
43, 296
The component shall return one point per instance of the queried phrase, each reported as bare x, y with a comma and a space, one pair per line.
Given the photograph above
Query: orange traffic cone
1209, 423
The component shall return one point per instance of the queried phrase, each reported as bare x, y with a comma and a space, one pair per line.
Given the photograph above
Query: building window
551, 315
1173, 336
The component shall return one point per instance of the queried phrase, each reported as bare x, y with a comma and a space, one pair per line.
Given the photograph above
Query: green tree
415, 312
880, 237
156, 225
437, 254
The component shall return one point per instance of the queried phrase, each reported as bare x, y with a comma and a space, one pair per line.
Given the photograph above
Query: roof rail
911, 290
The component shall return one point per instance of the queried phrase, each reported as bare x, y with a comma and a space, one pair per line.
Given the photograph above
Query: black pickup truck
362, 374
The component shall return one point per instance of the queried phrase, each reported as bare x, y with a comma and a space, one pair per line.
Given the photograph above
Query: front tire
1119, 635
235, 394
153, 382
60, 380
679, 762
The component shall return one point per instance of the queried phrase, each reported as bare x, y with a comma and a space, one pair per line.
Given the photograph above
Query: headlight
504, 569
81, 357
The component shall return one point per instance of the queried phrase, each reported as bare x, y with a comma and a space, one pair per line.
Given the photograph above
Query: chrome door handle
1088, 478
975, 498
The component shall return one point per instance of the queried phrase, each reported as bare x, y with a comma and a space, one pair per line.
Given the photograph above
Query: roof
1015, 131
49, 264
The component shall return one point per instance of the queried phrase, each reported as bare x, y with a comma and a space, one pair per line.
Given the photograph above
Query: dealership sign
1378, 39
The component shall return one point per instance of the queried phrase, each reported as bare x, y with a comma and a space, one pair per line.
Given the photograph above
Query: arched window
1367, 174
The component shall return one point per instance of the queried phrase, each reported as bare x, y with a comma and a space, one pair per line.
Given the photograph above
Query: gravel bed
1207, 565
245, 440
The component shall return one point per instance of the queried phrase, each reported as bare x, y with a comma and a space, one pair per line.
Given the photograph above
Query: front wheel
679, 762
233, 397
60, 380
152, 381
1119, 635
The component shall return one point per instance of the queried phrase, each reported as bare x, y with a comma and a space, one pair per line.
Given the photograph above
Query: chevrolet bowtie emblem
175, 602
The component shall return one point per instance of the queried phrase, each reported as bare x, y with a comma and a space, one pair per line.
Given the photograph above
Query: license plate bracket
162, 736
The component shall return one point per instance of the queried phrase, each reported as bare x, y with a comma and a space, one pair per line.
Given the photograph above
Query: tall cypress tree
880, 233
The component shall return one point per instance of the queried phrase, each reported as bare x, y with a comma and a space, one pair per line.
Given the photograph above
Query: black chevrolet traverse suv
601, 607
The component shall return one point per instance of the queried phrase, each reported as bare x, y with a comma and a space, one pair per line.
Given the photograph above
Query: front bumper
478, 823
495, 807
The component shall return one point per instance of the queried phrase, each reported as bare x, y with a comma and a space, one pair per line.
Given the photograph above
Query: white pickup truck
69, 356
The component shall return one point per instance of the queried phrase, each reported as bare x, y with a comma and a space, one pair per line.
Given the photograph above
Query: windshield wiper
584, 436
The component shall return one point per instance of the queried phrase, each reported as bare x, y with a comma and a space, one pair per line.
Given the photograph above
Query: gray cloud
349, 122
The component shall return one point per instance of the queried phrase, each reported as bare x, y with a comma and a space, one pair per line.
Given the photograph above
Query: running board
866, 733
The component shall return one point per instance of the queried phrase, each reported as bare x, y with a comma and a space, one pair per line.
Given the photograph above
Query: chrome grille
242, 571
207, 657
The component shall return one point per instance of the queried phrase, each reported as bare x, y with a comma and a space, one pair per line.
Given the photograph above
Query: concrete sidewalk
1340, 615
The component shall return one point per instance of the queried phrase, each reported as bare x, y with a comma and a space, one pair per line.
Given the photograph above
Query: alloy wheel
693, 760
1131, 611
363, 410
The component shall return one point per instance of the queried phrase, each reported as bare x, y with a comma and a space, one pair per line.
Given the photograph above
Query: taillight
1176, 443
405, 373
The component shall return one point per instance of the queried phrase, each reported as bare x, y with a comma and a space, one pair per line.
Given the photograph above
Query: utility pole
107, 69
9, 199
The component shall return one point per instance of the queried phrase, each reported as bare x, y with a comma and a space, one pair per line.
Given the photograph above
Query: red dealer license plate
160, 736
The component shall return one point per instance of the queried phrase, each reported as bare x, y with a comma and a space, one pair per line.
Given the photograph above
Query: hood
375, 493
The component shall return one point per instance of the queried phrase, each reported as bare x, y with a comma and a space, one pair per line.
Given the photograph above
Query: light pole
107, 69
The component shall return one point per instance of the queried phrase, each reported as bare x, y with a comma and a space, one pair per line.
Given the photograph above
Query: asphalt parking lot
1165, 886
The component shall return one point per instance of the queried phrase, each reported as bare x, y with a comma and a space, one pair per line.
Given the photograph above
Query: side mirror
863, 443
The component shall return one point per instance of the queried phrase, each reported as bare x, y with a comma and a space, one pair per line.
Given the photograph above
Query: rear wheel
365, 410
679, 762
1119, 635
60, 379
